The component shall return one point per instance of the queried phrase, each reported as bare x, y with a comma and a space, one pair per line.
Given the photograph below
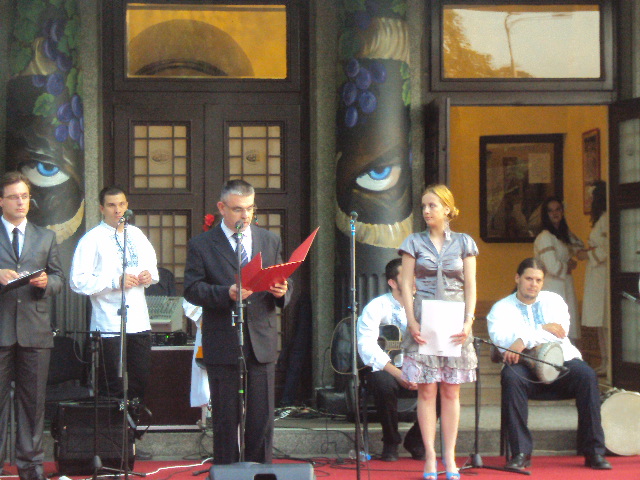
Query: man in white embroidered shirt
385, 380
97, 271
525, 319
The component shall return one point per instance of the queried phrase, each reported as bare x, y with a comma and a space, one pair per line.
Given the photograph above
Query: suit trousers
29, 368
138, 365
260, 400
580, 382
385, 390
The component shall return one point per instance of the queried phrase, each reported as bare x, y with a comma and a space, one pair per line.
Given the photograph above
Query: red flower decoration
208, 222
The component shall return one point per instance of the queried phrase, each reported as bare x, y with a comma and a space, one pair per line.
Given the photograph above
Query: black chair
407, 405
68, 375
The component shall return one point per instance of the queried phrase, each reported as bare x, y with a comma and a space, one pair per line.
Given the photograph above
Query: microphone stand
560, 368
122, 367
237, 319
475, 460
96, 338
354, 344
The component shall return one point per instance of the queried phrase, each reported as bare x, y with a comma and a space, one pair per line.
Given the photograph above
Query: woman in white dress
595, 305
555, 246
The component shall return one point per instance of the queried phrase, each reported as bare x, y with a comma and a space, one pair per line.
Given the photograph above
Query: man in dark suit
209, 281
26, 338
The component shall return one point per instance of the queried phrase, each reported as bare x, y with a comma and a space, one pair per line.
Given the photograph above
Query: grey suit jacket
209, 273
24, 311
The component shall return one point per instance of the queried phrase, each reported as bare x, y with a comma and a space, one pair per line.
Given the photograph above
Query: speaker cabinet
168, 394
259, 471
73, 430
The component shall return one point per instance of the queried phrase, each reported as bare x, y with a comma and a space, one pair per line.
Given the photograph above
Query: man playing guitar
385, 378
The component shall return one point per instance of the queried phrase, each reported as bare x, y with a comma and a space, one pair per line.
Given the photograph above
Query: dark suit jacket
209, 273
24, 311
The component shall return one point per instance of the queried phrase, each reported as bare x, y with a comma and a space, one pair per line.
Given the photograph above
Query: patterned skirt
419, 368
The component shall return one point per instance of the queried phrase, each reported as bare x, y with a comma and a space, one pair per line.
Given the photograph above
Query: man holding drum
526, 319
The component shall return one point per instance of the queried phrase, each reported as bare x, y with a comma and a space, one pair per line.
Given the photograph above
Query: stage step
307, 435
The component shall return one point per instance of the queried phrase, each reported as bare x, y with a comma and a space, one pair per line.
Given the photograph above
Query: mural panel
373, 145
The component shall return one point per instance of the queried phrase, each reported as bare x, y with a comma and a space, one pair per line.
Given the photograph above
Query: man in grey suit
26, 338
209, 281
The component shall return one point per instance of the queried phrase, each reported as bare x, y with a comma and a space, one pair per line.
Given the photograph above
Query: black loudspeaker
259, 471
73, 430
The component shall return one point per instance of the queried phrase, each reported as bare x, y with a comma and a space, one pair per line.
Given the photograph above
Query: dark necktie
15, 244
243, 252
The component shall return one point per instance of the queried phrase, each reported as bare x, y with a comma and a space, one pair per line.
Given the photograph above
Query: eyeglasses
240, 210
24, 196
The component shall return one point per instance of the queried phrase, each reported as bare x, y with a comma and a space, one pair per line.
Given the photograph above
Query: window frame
121, 82
604, 84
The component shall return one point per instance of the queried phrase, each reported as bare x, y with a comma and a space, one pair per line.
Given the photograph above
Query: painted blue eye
44, 174
379, 173
47, 169
380, 179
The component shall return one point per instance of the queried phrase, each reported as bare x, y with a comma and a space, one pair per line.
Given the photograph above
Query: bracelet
472, 317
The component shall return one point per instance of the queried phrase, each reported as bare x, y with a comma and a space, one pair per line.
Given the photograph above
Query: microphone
239, 225
478, 339
354, 216
126, 216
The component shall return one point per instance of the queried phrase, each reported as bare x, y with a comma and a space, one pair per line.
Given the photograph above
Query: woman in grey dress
444, 265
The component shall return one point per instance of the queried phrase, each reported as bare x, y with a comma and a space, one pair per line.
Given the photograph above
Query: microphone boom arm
560, 368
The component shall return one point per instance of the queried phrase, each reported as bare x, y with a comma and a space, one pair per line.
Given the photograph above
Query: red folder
258, 279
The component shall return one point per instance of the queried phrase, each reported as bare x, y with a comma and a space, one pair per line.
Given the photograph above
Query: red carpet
548, 468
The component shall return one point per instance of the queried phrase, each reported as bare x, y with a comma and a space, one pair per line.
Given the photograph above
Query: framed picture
590, 165
517, 173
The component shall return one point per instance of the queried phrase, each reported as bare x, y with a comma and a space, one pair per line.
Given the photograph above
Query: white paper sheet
440, 320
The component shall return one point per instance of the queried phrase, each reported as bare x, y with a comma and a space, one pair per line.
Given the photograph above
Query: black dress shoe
519, 461
389, 453
597, 462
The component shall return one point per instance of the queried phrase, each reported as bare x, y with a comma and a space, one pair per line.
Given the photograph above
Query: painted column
373, 157
45, 123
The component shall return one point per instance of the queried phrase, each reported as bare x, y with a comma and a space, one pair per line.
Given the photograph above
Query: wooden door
624, 151
173, 161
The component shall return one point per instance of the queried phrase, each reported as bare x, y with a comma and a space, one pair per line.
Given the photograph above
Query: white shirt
96, 270
510, 319
382, 310
10, 226
199, 393
246, 239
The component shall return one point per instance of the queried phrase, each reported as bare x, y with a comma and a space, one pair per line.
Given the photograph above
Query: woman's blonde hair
446, 197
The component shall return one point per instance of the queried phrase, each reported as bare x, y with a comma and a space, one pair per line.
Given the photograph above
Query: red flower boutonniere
208, 222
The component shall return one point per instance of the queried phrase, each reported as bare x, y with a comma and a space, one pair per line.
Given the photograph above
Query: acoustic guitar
389, 339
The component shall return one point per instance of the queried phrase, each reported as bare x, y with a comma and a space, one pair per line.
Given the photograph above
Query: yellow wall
498, 261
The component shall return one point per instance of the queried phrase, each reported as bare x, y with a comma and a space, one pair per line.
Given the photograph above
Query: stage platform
543, 467
306, 434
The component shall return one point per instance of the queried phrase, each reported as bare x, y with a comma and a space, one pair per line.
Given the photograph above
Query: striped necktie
243, 252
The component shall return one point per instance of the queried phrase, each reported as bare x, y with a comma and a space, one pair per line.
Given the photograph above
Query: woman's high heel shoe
431, 475
453, 475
